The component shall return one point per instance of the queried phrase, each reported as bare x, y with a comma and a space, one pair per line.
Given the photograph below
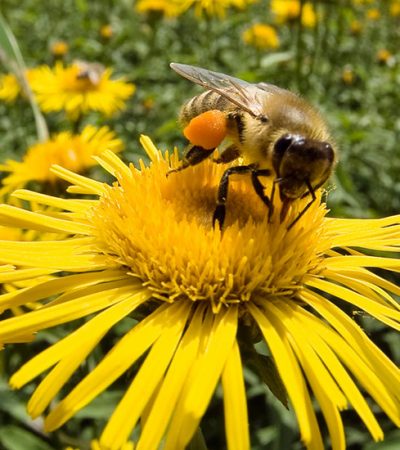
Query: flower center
160, 229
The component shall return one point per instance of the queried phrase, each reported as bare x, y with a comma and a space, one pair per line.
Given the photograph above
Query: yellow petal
163, 406
291, 375
115, 363
203, 378
235, 405
145, 382
75, 309
17, 217
80, 344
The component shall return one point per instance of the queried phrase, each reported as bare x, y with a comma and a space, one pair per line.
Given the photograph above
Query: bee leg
194, 155
229, 154
259, 188
271, 210
313, 198
220, 210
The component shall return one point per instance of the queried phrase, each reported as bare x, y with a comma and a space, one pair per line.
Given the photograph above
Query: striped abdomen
206, 101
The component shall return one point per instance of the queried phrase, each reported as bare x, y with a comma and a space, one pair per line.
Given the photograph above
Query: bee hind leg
194, 155
229, 154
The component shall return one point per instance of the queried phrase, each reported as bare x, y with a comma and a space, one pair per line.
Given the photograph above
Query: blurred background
341, 55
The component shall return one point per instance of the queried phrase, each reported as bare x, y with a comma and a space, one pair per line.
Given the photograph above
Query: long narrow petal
57, 285
17, 217
13, 275
87, 185
389, 373
163, 406
203, 378
145, 382
235, 405
370, 306
327, 392
114, 364
88, 334
74, 205
65, 255
66, 312
291, 375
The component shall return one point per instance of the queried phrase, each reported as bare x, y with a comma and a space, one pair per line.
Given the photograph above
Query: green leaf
12, 57
198, 442
15, 438
11, 404
265, 368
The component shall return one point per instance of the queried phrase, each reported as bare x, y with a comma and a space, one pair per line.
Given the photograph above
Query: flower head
217, 7
261, 36
148, 241
384, 56
74, 152
106, 31
395, 8
59, 48
373, 14
10, 87
170, 8
80, 88
289, 11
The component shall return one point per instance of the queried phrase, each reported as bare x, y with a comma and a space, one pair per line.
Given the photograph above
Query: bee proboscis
275, 131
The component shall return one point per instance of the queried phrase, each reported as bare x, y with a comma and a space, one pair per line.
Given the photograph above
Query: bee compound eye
282, 144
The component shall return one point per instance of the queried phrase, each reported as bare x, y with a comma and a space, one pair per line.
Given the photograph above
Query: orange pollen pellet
207, 130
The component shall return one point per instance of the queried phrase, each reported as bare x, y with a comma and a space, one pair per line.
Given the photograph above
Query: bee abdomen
206, 101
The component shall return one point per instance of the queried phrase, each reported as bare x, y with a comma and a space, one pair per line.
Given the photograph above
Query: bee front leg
311, 191
259, 189
220, 210
194, 155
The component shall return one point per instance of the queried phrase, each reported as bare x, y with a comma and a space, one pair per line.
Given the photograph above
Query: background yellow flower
71, 151
289, 10
261, 36
79, 89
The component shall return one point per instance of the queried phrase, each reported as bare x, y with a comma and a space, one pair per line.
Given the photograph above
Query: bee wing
241, 93
270, 88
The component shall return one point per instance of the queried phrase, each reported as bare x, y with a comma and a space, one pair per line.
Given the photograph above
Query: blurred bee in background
273, 130
89, 71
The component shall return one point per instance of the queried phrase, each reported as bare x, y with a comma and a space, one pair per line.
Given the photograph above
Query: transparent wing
242, 94
270, 88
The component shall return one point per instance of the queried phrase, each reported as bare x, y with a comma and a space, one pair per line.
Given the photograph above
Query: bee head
300, 164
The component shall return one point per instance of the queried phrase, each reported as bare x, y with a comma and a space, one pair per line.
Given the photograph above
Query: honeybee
273, 130
90, 71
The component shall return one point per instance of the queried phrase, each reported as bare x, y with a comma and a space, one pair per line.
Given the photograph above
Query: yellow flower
80, 88
170, 8
147, 241
289, 11
384, 56
176, 7
59, 48
395, 8
348, 76
10, 87
355, 27
106, 31
74, 152
261, 36
373, 14
215, 8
